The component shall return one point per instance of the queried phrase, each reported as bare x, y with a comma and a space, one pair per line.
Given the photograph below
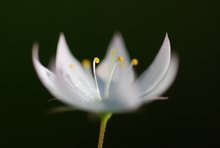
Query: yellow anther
97, 60
86, 63
134, 62
71, 66
120, 58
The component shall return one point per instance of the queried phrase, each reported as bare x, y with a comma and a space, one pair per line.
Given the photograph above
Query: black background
190, 118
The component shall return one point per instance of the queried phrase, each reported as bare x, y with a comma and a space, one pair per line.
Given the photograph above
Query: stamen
134, 62
87, 66
86, 63
114, 51
107, 86
96, 61
120, 58
111, 68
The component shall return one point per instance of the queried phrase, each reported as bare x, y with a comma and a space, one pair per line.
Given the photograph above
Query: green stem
104, 117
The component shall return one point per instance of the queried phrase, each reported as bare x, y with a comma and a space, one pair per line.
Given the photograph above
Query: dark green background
190, 118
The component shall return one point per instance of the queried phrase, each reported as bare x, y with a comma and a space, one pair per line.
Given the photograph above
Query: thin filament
109, 80
107, 86
96, 61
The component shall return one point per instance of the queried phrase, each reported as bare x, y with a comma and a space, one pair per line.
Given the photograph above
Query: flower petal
122, 98
153, 75
166, 82
49, 79
45, 75
116, 48
71, 70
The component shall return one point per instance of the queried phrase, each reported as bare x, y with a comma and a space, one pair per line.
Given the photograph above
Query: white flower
110, 86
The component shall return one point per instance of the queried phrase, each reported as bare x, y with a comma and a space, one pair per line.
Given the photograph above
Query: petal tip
117, 35
166, 47
61, 37
35, 55
167, 40
62, 44
35, 50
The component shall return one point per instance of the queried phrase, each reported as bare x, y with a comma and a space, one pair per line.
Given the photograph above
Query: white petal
167, 80
45, 75
117, 43
66, 94
152, 76
49, 80
77, 99
116, 48
72, 71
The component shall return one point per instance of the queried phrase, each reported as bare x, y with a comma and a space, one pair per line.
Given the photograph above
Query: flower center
112, 67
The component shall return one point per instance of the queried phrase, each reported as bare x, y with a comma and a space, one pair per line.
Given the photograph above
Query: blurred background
190, 118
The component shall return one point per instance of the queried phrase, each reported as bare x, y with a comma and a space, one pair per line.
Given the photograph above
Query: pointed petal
167, 80
117, 44
71, 70
152, 76
59, 89
46, 76
116, 48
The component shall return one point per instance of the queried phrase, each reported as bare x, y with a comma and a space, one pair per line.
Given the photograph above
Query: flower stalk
104, 117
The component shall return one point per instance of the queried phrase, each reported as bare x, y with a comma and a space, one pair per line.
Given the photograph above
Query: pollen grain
134, 62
